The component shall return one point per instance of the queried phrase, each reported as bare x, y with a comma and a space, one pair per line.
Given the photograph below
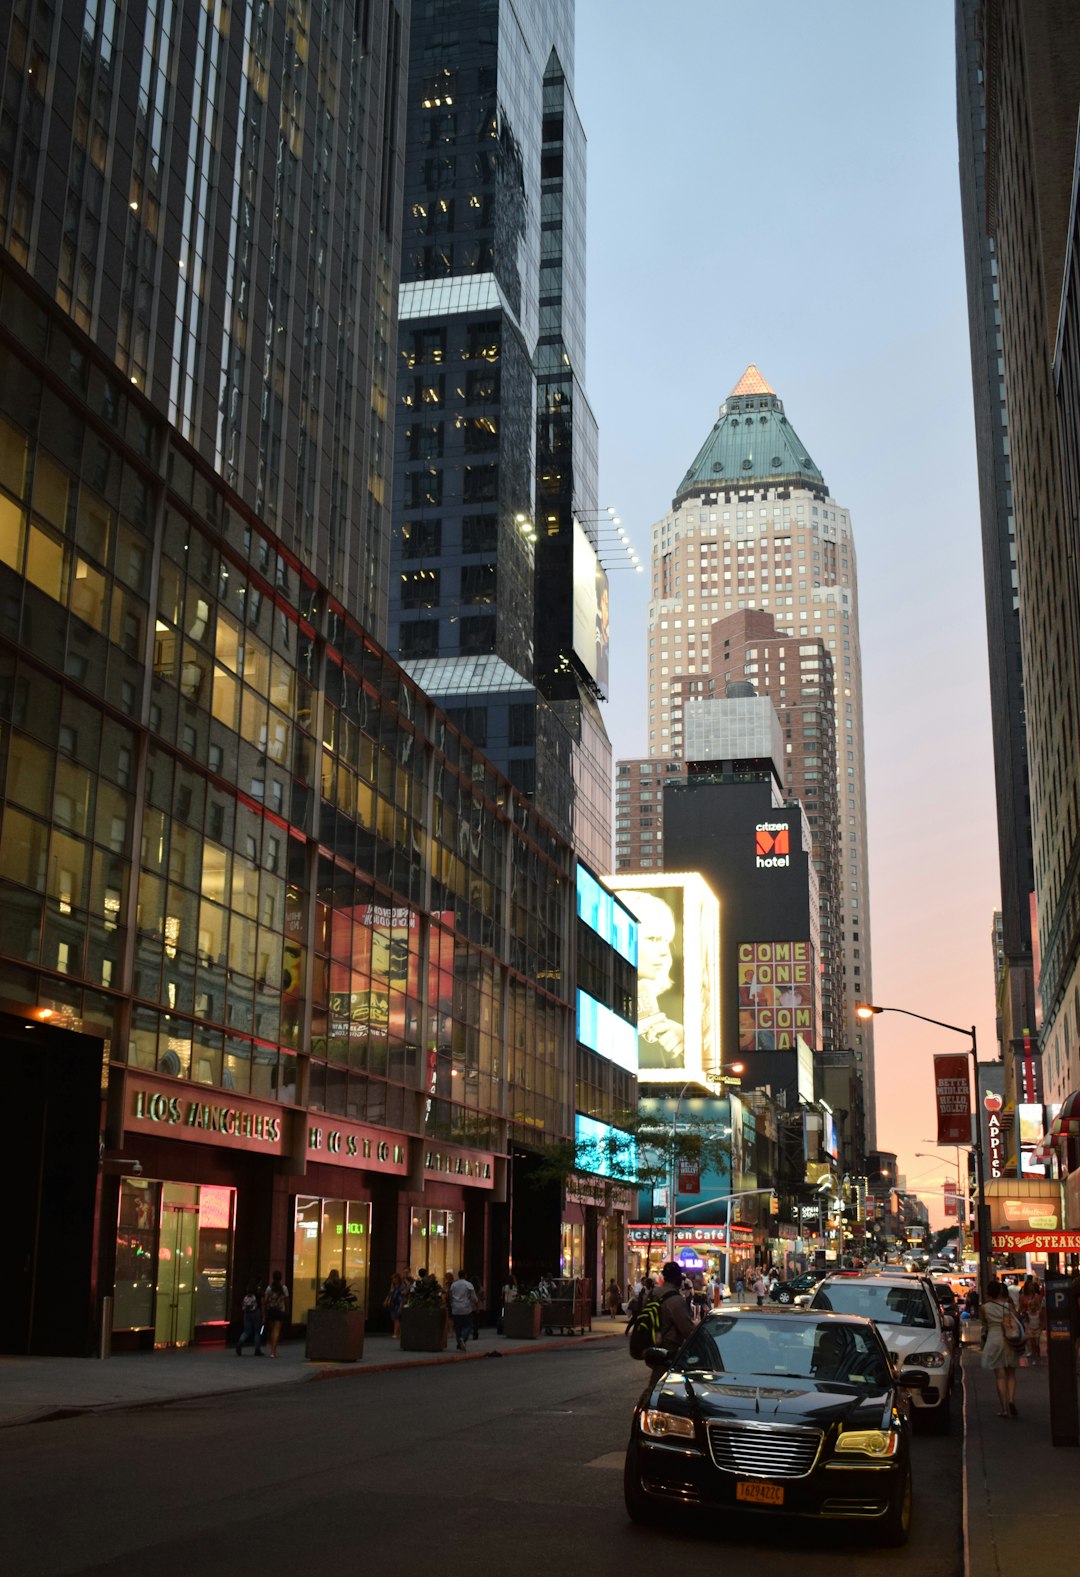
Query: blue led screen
603, 1150
605, 915
606, 1033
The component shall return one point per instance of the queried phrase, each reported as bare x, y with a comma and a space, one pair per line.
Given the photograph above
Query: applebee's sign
992, 1103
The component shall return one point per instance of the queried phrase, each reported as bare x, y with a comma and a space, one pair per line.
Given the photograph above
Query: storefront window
329, 1234
573, 1249
173, 1258
435, 1241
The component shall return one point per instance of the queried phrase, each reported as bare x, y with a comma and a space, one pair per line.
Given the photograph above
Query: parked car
788, 1291
776, 1412
915, 1330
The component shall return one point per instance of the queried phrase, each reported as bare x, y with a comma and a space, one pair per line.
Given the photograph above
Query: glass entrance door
175, 1304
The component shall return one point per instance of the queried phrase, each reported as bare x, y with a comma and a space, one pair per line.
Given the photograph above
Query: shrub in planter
335, 1326
424, 1321
521, 1318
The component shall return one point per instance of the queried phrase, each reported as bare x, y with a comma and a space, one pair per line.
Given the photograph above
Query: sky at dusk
778, 184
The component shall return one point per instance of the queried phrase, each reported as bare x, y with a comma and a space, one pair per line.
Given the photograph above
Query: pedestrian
461, 1297
759, 1288
637, 1301
996, 1351
1032, 1312
614, 1298
275, 1307
393, 1302
478, 1308
251, 1314
676, 1320
740, 1286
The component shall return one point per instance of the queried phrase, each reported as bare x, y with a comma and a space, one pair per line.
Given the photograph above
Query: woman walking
997, 1354
394, 1299
1031, 1312
275, 1307
614, 1298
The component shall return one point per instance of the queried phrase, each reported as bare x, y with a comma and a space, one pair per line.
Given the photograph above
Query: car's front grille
767, 1450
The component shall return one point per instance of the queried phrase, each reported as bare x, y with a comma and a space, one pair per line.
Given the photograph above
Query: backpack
644, 1327
1012, 1330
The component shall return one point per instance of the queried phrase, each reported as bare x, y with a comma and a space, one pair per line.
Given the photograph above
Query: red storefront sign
1035, 1242
952, 1089
202, 1116
352, 1144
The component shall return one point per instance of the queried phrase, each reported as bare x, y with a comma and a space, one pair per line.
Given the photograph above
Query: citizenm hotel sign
772, 845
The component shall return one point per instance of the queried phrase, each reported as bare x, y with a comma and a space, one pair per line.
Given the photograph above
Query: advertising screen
678, 972
776, 994
605, 915
590, 608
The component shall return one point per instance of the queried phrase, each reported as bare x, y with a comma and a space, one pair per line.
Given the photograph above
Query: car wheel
896, 1523
785, 1297
638, 1506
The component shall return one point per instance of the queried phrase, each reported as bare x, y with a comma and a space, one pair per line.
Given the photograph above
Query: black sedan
775, 1412
788, 1291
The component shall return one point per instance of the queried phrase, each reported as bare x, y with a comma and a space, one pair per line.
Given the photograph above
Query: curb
353, 1371
964, 1497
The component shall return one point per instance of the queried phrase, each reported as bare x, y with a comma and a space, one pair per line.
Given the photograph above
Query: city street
466, 1467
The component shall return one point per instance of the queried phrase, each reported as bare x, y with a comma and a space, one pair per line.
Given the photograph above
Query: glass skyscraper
498, 605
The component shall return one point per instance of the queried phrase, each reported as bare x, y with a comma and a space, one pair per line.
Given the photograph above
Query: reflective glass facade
495, 442
211, 191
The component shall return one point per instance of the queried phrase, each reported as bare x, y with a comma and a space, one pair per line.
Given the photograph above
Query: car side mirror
804, 1300
657, 1357
949, 1322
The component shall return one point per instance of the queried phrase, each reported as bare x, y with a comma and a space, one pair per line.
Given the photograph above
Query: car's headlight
654, 1422
927, 1360
869, 1442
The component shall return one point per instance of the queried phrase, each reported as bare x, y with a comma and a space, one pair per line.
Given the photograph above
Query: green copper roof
752, 444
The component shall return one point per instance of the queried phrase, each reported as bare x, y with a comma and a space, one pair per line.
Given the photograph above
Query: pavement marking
610, 1459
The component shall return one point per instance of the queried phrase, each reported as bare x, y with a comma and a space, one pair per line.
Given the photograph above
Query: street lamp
924, 1155
868, 1010
717, 1075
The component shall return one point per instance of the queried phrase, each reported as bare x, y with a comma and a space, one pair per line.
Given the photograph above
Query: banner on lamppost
952, 1087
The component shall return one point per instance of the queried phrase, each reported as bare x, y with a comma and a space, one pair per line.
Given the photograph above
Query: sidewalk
35, 1389
1020, 1492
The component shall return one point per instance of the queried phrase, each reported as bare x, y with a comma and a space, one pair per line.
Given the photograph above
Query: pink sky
848, 293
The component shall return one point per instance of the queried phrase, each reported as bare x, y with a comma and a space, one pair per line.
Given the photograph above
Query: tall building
1017, 1012
498, 600
1020, 66
753, 527
287, 967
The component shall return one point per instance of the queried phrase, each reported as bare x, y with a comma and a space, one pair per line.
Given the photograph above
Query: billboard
952, 1092
678, 973
991, 1102
590, 609
776, 994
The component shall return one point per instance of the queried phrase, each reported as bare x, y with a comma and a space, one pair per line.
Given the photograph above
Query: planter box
522, 1320
335, 1335
423, 1329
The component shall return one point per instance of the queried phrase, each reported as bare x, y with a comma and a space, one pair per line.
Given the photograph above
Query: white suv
912, 1326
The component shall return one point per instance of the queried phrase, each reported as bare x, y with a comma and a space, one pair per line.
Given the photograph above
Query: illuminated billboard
776, 994
678, 973
590, 609
603, 913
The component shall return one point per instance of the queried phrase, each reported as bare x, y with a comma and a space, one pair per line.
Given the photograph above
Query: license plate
760, 1494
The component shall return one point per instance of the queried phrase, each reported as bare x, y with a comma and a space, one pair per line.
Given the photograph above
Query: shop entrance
174, 1306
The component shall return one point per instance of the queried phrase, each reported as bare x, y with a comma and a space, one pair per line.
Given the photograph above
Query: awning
1067, 1121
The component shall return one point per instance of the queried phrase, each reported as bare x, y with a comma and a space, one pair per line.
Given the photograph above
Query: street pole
982, 1213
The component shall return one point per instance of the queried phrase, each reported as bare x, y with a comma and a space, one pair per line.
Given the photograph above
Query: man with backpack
665, 1319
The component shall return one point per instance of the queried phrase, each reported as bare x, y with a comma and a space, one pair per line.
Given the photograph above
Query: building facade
287, 969
1018, 1011
498, 598
1024, 55
753, 527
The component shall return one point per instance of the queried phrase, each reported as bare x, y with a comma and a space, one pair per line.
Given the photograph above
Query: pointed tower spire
752, 382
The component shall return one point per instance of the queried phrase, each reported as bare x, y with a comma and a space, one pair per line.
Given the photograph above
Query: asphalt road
467, 1468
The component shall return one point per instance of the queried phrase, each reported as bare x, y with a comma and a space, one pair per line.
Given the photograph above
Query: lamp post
982, 1215
716, 1075
924, 1155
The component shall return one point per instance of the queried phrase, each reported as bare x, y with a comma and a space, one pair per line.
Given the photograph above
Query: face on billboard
661, 1029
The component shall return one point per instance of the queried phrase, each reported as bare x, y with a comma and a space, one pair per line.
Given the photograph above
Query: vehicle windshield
797, 1350
904, 1305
